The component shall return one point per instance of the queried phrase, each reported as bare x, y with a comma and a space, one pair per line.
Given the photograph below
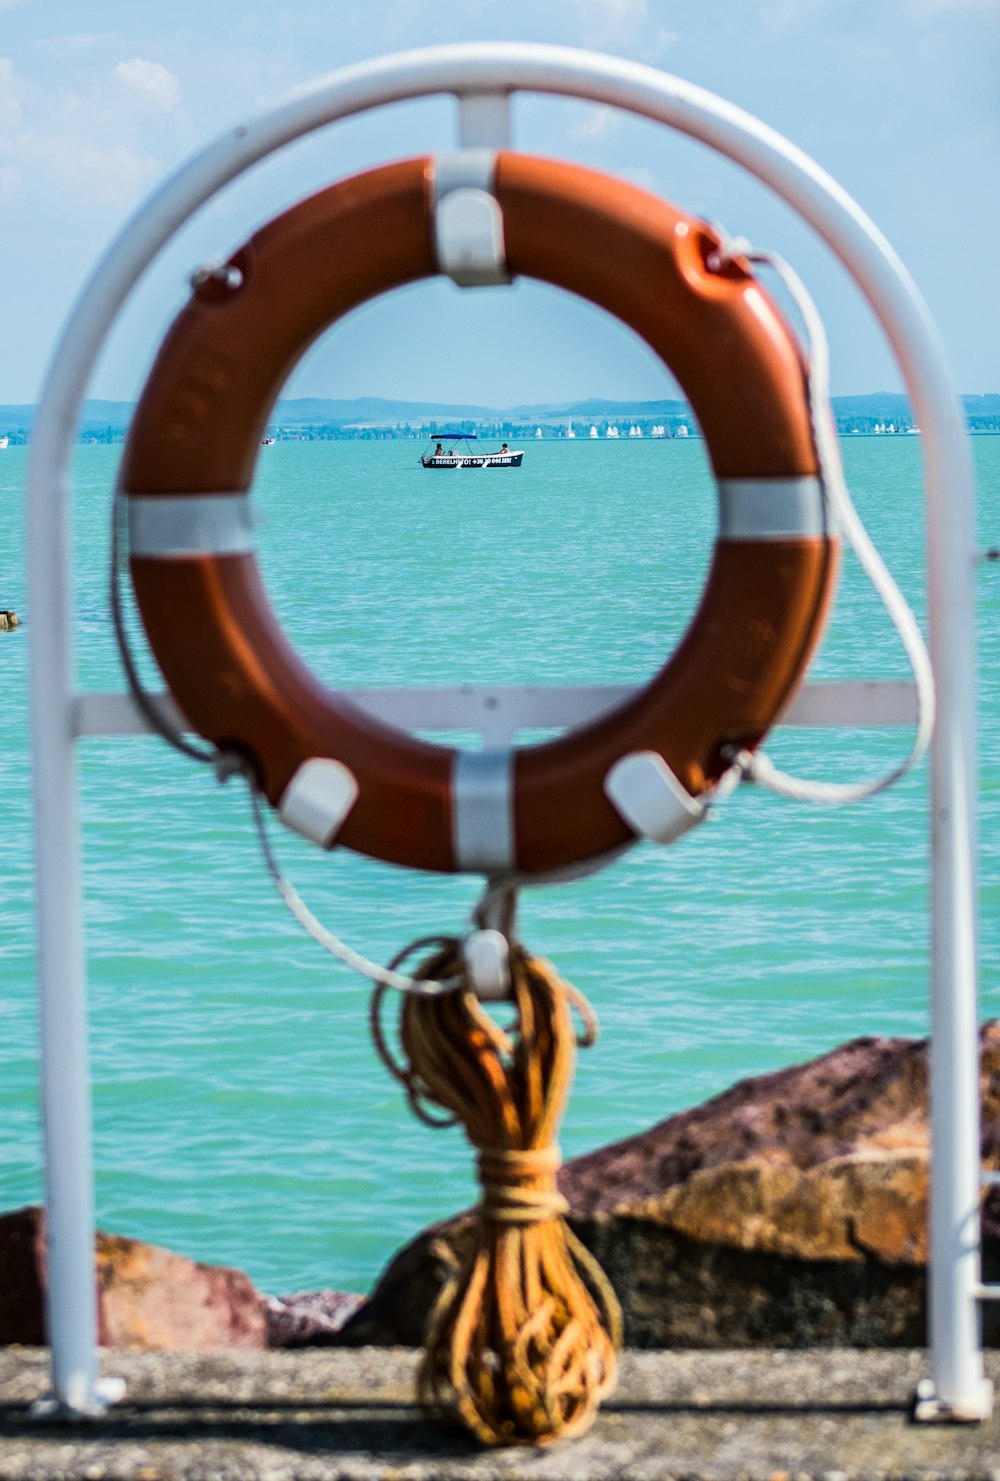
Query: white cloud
112, 174
598, 123
76, 41
779, 14
618, 13
662, 42
641, 176
73, 144
10, 103
151, 81
613, 23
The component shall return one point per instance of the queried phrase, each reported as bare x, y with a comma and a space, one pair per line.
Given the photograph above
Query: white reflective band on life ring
192, 524
772, 508
482, 789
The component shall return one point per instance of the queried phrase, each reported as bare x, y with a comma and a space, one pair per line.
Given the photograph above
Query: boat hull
486, 460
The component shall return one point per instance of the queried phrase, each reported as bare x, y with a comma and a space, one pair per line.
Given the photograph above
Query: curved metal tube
486, 74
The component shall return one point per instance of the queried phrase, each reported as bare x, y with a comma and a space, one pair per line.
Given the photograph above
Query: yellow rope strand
520, 1344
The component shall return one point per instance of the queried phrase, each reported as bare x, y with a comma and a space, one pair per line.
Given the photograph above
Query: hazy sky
898, 99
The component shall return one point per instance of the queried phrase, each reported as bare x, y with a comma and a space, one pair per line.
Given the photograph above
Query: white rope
758, 767
424, 987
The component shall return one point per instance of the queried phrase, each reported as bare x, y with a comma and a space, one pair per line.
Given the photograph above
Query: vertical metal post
71, 1289
959, 1388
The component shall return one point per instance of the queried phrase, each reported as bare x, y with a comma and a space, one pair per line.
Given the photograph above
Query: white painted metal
857, 703
482, 77
118, 714
71, 1294
499, 711
484, 120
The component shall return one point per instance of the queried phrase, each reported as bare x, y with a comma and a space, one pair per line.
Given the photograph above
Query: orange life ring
190, 460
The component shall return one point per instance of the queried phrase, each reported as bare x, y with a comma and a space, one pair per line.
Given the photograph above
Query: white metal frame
482, 77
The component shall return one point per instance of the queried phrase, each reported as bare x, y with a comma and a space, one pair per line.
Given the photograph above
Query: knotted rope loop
520, 1344
519, 1187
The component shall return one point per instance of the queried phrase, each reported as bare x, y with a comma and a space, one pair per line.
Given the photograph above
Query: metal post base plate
929, 1409
107, 1391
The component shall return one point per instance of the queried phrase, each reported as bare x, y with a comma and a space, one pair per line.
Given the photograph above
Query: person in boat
505, 449
439, 451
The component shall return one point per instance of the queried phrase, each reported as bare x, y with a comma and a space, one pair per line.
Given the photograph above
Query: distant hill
988, 405
594, 407
376, 410
17, 422
318, 416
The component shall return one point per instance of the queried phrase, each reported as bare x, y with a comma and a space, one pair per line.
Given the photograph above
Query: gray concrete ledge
349, 1414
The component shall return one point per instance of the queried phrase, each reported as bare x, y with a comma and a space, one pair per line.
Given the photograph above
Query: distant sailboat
593, 431
4, 441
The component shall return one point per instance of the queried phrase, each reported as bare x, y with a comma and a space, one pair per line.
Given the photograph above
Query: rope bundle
520, 1344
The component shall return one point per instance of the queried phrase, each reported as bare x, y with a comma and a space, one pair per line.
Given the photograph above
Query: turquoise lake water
240, 1113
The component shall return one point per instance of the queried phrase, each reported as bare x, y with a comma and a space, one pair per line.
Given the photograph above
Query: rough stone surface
148, 1297
790, 1211
280, 1416
22, 1259
298, 1319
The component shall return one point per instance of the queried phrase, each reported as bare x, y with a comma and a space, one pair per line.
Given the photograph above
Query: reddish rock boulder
298, 1319
148, 1297
790, 1211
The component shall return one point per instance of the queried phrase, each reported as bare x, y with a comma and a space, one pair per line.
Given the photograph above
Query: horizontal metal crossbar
499, 711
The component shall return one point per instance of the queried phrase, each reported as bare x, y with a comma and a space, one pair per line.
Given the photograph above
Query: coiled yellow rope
520, 1344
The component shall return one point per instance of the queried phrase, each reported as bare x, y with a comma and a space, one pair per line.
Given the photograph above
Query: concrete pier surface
349, 1414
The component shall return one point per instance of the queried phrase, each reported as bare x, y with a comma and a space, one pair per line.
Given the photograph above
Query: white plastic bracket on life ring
651, 800
318, 799
486, 957
468, 222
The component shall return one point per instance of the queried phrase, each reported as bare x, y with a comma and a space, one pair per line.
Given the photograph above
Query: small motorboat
461, 454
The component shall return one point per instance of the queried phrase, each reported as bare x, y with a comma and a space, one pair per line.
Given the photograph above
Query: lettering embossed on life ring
190, 460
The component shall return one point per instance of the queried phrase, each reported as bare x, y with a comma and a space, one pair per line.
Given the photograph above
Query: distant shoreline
319, 419
341, 434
